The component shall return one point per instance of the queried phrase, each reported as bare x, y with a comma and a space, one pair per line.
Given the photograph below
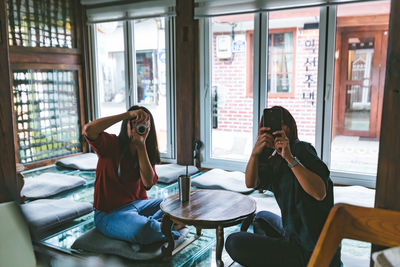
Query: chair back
16, 245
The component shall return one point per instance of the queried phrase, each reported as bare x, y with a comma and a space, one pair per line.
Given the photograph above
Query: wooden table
207, 209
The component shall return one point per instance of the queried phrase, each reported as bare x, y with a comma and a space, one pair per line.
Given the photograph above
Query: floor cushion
94, 241
168, 173
220, 179
49, 184
83, 162
44, 214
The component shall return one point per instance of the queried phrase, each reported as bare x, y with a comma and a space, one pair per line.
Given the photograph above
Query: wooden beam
388, 178
353, 21
186, 52
8, 178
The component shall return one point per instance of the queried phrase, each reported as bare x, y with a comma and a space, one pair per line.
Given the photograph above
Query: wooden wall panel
8, 179
186, 81
388, 178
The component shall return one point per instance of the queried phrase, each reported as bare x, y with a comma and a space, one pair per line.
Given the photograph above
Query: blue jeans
269, 245
136, 222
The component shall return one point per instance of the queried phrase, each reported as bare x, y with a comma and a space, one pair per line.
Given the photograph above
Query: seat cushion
168, 173
49, 184
83, 162
220, 179
94, 241
44, 214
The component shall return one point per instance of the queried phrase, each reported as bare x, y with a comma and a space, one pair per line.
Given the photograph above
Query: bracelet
294, 162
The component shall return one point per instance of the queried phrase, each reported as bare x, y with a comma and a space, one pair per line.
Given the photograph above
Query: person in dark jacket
303, 190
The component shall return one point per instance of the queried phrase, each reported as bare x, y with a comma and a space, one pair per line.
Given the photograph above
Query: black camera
272, 118
141, 129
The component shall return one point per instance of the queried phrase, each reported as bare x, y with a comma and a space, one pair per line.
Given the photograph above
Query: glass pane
358, 108
41, 23
360, 60
46, 112
361, 53
111, 85
293, 66
232, 87
151, 76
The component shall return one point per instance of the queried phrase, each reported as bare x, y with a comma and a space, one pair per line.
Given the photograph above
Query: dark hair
289, 121
151, 141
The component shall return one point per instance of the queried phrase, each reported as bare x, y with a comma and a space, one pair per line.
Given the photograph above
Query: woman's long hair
151, 141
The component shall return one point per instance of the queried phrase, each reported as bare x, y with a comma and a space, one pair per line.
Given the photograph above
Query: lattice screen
41, 23
47, 112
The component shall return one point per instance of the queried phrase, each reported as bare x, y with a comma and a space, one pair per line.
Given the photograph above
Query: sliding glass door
133, 61
326, 65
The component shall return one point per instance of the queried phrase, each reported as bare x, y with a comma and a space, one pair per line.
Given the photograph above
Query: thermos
184, 187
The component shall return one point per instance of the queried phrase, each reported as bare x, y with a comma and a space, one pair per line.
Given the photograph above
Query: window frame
325, 83
131, 83
52, 58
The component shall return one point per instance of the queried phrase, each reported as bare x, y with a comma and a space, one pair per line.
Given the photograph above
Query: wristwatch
293, 163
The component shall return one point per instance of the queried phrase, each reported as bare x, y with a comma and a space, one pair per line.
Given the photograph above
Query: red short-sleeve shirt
109, 192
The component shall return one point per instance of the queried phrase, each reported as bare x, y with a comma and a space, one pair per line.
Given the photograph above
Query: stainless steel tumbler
184, 187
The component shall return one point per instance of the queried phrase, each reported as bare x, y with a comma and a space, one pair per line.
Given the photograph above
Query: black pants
268, 246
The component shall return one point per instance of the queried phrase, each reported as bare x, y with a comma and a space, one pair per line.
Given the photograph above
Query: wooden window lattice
46, 110
41, 23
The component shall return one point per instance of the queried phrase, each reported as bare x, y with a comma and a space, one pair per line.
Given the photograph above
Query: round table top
209, 206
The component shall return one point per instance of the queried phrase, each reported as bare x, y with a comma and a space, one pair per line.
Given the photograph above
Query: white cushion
44, 214
220, 179
169, 173
49, 184
83, 162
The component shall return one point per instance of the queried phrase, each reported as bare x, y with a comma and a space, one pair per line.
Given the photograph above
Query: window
41, 23
111, 79
324, 64
231, 109
47, 96
46, 111
360, 64
134, 68
281, 54
293, 43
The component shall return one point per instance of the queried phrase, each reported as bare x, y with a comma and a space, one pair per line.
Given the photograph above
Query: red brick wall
235, 108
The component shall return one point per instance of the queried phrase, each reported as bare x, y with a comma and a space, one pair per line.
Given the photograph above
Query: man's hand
264, 139
282, 145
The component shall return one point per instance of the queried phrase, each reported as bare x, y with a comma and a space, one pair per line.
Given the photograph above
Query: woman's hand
282, 145
264, 139
138, 115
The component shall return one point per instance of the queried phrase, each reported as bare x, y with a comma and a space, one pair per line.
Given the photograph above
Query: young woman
300, 182
124, 172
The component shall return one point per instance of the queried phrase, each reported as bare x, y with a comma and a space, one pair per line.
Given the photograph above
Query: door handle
328, 92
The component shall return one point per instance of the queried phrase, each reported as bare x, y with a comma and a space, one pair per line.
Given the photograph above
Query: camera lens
141, 129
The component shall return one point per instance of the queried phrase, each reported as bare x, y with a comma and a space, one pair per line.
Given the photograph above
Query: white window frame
131, 83
325, 90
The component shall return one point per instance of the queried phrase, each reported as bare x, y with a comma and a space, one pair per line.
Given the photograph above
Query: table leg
166, 225
198, 231
246, 223
220, 246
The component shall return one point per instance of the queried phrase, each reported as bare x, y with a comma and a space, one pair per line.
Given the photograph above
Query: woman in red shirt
125, 171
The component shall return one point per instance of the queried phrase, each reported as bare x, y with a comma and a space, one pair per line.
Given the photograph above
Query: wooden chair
378, 226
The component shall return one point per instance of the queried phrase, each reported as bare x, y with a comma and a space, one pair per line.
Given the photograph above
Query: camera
272, 118
141, 129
